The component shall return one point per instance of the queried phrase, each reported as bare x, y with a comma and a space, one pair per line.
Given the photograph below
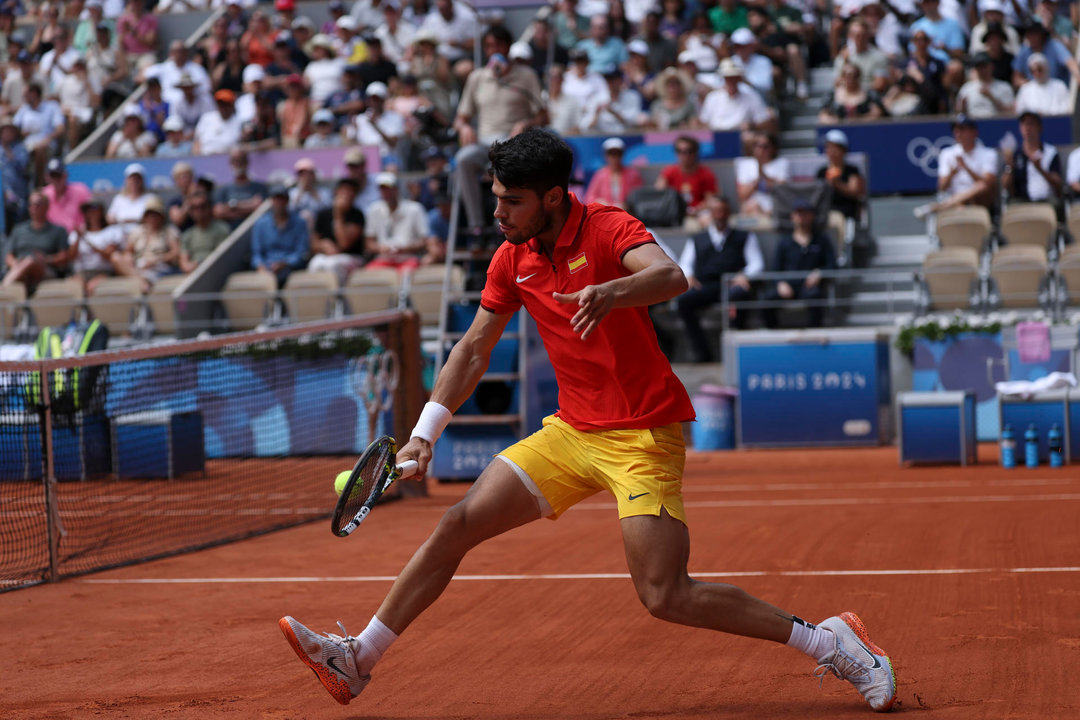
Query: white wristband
433, 420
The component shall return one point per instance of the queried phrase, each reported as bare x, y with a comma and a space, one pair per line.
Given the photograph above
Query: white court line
886, 485
585, 576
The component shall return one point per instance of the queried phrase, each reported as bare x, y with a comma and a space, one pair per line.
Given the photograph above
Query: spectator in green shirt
728, 16
202, 238
37, 249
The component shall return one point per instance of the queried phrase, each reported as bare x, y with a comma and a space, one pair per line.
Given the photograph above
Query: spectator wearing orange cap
220, 130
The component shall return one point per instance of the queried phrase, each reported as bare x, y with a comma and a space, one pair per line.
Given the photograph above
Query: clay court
968, 577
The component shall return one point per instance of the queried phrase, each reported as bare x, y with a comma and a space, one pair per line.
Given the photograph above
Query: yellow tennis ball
340, 480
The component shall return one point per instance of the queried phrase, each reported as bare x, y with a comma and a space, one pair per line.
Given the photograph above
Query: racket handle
407, 468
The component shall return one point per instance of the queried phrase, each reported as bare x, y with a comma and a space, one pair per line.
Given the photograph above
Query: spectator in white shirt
192, 103
736, 106
397, 229
579, 82
253, 80
617, 110
967, 171
79, 97
984, 96
323, 73
562, 110
368, 13
129, 205
756, 177
757, 69
379, 126
219, 131
1032, 171
172, 70
58, 62
132, 140
396, 33
1042, 94
456, 27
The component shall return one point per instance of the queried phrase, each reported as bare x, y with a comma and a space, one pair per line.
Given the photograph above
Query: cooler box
1042, 410
937, 427
158, 444
810, 387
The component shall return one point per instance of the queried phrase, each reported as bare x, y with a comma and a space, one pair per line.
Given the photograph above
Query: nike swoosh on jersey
523, 279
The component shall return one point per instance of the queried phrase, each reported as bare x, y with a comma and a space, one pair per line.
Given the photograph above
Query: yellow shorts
641, 468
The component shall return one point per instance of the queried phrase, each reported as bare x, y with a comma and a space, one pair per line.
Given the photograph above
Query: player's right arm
466, 364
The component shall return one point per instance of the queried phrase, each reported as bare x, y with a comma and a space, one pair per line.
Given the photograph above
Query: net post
52, 512
410, 390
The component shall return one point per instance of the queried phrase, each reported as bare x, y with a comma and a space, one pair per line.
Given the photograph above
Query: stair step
798, 138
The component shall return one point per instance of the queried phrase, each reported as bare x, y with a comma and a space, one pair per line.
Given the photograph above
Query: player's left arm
653, 278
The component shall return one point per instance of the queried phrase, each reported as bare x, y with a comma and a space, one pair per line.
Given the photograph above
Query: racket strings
368, 484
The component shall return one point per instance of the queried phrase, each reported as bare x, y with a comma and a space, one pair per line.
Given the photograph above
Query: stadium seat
372, 290
1029, 224
1074, 221
160, 302
116, 302
1018, 272
12, 298
310, 295
426, 290
1069, 276
248, 298
56, 302
966, 227
948, 275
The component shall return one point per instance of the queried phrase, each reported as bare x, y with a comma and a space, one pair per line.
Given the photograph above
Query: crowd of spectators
402, 77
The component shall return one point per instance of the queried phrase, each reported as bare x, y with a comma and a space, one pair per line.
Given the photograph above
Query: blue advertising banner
903, 154
812, 390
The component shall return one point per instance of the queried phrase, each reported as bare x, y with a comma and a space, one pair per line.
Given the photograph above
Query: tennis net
118, 457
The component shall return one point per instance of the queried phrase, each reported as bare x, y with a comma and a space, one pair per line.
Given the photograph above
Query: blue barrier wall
903, 154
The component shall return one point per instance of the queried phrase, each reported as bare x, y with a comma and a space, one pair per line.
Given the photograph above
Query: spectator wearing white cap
377, 125
618, 110
757, 69
254, 80
152, 248
132, 139
323, 73
700, 63
127, 206
992, 14
324, 134
397, 229
844, 179
175, 145
368, 14
611, 184
349, 46
636, 72
735, 106
1043, 94
191, 104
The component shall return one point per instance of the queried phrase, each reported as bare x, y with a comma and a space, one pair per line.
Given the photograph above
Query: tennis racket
370, 477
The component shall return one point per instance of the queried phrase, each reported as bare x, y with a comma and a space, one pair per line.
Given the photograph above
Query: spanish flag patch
576, 263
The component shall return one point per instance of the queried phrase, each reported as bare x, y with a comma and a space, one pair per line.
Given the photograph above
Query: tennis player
586, 274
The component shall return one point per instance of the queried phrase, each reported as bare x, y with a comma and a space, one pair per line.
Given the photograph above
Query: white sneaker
923, 211
859, 661
329, 656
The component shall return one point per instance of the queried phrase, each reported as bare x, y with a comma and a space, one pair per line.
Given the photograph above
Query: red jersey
617, 378
693, 187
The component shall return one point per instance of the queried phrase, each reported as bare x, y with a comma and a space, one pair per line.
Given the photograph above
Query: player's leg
657, 550
497, 502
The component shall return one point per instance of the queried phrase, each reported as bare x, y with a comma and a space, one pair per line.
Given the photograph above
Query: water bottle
1031, 446
1008, 447
1057, 452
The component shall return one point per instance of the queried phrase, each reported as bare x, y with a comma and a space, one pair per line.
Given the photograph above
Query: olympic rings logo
922, 153
374, 379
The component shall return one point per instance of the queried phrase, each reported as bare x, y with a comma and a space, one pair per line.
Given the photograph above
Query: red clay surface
994, 634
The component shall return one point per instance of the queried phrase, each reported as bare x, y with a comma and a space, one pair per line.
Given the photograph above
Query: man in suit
706, 258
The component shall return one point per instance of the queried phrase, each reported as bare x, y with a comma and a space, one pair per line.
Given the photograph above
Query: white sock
373, 642
816, 642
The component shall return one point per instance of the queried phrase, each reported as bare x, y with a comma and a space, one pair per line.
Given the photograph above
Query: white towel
1028, 388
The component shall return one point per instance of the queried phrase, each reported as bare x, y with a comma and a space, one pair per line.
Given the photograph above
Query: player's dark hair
535, 159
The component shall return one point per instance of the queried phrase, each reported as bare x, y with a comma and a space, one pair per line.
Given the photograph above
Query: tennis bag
72, 389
